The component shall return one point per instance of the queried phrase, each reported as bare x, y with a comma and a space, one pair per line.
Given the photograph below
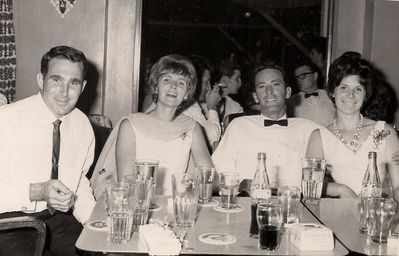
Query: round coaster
209, 204
98, 225
219, 208
155, 207
217, 238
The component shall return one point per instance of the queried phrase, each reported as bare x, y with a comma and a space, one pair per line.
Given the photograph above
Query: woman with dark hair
346, 142
206, 98
160, 133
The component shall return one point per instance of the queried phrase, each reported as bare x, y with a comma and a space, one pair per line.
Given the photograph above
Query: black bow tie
282, 122
307, 95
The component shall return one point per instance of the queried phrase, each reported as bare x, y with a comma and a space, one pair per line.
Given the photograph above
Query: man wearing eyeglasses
310, 103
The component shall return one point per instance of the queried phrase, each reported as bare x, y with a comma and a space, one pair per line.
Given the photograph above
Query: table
209, 220
342, 217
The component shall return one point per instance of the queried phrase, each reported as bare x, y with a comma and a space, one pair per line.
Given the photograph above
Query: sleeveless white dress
167, 142
347, 167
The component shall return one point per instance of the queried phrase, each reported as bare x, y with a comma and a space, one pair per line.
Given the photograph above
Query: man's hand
54, 192
212, 98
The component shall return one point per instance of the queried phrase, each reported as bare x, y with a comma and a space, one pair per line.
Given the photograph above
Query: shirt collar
268, 118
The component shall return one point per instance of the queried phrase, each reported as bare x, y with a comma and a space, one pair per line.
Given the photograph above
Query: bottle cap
261, 155
372, 154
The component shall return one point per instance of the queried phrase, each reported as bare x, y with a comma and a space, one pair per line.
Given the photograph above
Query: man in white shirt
310, 103
283, 140
47, 146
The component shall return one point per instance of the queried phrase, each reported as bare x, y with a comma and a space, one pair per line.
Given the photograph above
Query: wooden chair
27, 222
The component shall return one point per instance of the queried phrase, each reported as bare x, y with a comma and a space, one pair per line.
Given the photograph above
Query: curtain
8, 56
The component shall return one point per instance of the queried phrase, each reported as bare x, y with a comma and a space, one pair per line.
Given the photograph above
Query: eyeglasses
302, 76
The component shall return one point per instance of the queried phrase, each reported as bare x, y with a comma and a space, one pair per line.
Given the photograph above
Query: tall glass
120, 208
142, 203
289, 197
185, 197
206, 175
229, 182
270, 220
148, 168
313, 170
381, 212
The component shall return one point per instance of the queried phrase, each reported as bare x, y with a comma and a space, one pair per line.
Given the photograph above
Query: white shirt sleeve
211, 125
84, 200
224, 157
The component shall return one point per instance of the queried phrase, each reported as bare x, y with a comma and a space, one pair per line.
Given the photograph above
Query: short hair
63, 52
305, 62
350, 64
267, 65
224, 68
174, 64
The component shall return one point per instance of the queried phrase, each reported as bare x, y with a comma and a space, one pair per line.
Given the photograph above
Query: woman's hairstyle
201, 64
350, 63
174, 64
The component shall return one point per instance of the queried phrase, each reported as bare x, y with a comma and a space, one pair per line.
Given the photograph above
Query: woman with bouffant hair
345, 143
161, 133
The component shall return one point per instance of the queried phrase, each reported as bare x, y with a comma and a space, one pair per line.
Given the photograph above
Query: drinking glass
206, 175
148, 168
269, 217
142, 203
229, 182
381, 212
313, 170
289, 197
120, 208
185, 197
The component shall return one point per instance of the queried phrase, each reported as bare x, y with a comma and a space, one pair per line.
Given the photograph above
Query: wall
102, 29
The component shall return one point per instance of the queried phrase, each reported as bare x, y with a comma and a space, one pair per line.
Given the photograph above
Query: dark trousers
62, 231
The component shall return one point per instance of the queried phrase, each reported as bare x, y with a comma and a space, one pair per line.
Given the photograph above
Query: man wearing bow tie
310, 103
283, 140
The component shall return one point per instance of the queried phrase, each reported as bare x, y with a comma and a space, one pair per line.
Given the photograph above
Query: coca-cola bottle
371, 188
260, 191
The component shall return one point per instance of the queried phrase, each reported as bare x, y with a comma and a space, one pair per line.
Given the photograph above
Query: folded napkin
158, 240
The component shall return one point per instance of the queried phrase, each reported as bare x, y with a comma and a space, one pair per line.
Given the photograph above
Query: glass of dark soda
270, 219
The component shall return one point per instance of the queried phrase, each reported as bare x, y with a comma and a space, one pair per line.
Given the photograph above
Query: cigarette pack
312, 237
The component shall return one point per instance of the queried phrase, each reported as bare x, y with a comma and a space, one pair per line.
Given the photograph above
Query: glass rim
314, 159
146, 161
230, 173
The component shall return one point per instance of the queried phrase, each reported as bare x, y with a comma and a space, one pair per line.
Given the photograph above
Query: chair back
27, 222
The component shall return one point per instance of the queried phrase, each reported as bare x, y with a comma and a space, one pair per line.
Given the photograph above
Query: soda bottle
260, 191
371, 188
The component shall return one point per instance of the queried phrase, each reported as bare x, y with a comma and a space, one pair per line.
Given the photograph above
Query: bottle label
371, 190
261, 193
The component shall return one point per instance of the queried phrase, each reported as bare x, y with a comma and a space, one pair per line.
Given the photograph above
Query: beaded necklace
354, 145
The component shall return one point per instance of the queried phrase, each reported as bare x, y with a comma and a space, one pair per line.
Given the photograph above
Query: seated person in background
318, 55
346, 142
162, 133
227, 76
206, 98
47, 147
3, 99
283, 140
310, 103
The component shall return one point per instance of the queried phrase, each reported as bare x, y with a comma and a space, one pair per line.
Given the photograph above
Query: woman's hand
346, 192
212, 98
